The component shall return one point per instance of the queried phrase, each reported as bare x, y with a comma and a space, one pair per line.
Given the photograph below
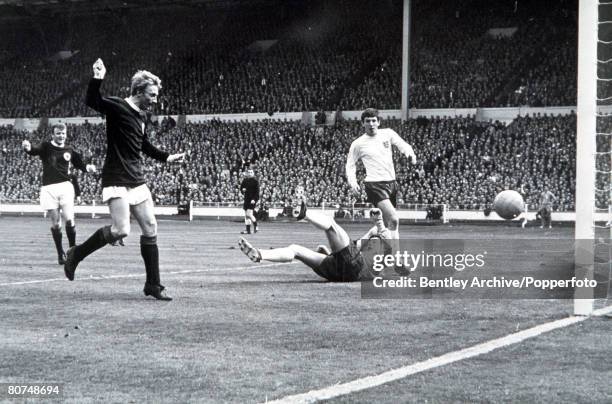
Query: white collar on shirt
131, 104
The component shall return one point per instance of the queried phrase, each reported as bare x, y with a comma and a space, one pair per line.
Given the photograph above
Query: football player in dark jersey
250, 189
123, 181
57, 191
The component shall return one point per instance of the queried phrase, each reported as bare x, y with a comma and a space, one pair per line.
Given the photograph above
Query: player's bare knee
393, 222
121, 230
150, 228
149, 233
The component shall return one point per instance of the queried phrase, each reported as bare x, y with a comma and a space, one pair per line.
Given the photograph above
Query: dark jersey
250, 188
56, 160
126, 136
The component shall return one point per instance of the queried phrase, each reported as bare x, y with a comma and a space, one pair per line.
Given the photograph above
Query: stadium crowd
461, 162
322, 55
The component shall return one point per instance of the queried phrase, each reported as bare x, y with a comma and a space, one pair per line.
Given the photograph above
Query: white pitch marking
405, 371
188, 271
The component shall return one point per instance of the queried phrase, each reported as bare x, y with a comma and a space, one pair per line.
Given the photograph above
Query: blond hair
141, 80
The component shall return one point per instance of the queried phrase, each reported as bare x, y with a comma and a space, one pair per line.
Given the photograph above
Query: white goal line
365, 383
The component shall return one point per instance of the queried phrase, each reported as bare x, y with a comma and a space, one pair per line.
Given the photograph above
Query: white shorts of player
134, 196
58, 195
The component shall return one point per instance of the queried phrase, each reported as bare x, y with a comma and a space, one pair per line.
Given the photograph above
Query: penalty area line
126, 276
365, 383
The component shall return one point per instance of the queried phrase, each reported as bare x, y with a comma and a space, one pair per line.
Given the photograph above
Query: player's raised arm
403, 147
93, 98
351, 163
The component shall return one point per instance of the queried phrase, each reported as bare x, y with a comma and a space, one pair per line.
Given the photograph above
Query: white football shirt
376, 154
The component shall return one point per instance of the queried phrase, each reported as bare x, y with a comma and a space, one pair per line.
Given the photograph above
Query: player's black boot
248, 250
150, 255
70, 264
157, 291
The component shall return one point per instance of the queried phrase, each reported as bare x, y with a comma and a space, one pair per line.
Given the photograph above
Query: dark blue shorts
381, 190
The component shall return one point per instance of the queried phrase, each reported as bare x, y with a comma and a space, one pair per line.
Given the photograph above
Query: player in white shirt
374, 149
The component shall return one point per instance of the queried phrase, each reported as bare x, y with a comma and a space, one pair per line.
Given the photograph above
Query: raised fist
99, 70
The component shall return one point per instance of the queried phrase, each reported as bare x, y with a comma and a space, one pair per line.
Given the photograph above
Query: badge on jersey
386, 144
67, 156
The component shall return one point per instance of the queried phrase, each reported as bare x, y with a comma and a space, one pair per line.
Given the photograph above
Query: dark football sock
248, 228
99, 239
56, 232
150, 255
71, 233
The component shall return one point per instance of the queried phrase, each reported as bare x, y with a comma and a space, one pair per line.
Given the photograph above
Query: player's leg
56, 232
247, 224
391, 219
285, 254
251, 218
67, 209
383, 196
390, 216
336, 236
49, 202
144, 214
120, 216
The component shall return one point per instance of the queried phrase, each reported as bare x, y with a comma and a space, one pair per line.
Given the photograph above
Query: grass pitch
243, 332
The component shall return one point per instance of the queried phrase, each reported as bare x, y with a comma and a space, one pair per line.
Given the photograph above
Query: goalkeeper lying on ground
344, 263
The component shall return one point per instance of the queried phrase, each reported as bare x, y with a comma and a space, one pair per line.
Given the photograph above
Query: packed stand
325, 55
462, 163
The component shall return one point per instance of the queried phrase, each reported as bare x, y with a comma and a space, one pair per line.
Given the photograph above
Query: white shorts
134, 196
58, 195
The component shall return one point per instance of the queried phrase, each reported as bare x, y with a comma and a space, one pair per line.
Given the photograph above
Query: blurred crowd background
292, 56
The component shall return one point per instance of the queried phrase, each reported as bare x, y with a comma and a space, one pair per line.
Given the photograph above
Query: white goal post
585, 150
